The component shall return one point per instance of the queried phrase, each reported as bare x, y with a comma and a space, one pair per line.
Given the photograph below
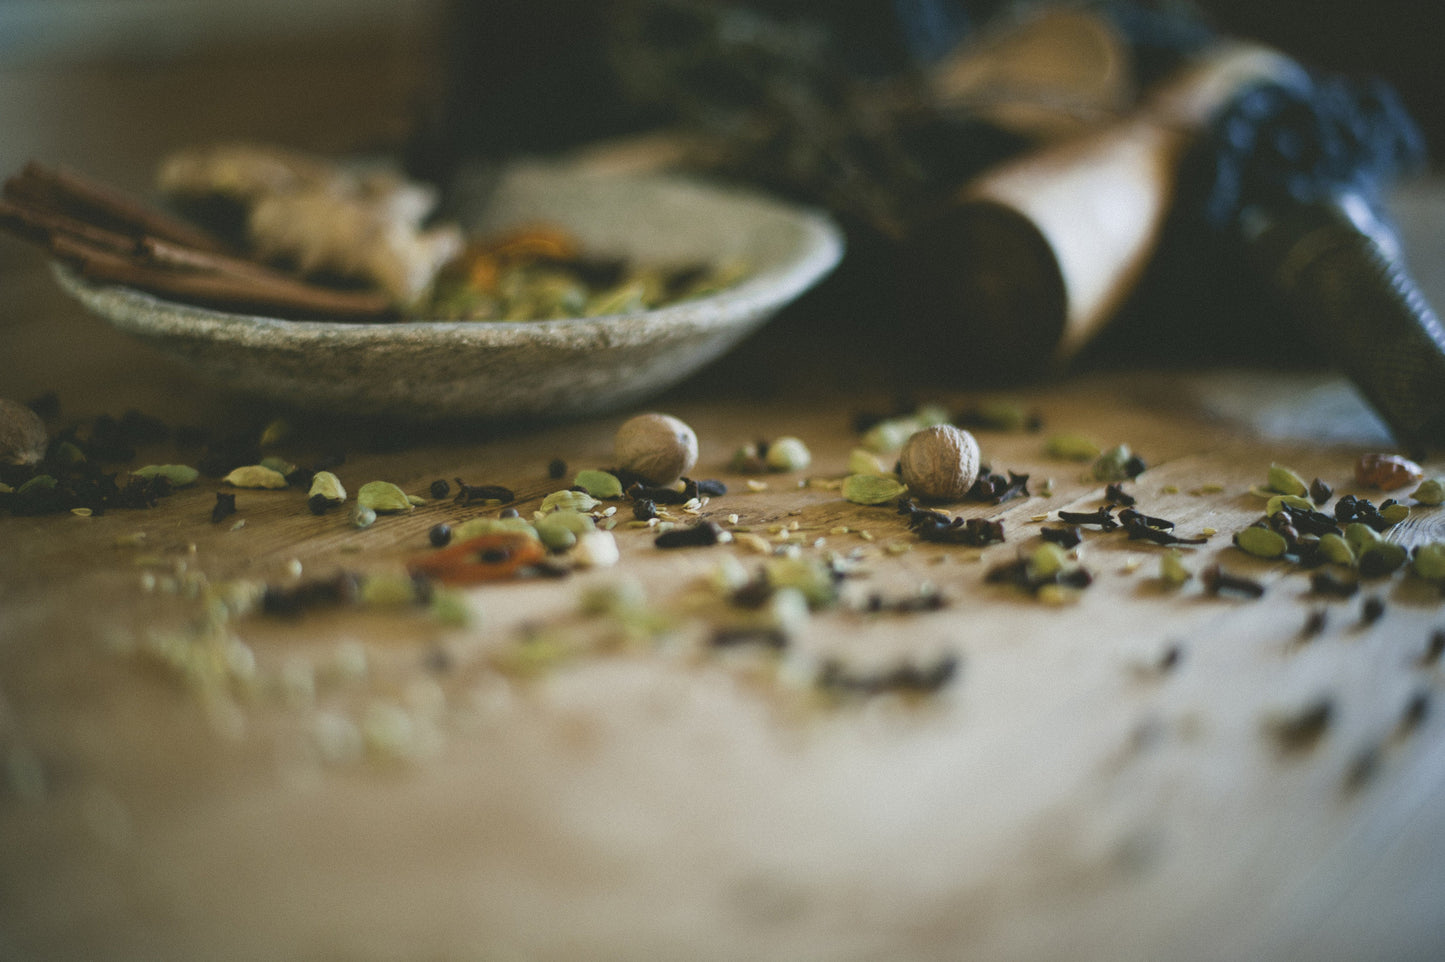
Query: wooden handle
1078, 221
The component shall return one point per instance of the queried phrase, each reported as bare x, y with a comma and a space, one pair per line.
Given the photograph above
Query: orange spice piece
538, 241
1386, 471
488, 557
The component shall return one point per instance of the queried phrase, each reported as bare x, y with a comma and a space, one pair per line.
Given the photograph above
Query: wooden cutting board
1101, 779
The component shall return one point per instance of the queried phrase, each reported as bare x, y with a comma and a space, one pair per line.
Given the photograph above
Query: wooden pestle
1035, 257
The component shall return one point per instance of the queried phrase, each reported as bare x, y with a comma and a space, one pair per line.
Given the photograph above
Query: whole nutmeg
22, 434
659, 447
940, 462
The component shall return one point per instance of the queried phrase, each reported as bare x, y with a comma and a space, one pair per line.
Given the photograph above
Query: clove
1218, 581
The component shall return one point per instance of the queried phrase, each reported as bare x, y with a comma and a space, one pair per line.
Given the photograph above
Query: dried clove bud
1103, 517
1063, 537
699, 535
1218, 581
468, 493
1300, 730
224, 508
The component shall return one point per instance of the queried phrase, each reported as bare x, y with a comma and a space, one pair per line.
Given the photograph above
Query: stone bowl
437, 370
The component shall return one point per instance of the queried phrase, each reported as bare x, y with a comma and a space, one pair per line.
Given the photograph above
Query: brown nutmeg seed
657, 446
940, 462
22, 434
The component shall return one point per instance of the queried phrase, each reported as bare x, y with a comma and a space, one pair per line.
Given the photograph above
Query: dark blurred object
811, 99
1275, 178
1294, 173
1030, 262
519, 77
1397, 40
876, 110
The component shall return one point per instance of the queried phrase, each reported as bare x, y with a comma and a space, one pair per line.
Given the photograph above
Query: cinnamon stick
276, 296
115, 239
38, 225
71, 193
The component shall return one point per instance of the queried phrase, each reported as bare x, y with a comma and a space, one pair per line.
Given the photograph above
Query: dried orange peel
489, 557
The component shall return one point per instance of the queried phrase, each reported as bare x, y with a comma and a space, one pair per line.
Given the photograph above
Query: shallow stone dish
432, 370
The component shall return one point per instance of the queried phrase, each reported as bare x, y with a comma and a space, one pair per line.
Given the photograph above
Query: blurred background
111, 86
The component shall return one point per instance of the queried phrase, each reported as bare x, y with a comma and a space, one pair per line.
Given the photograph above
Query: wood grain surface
1101, 780
639, 794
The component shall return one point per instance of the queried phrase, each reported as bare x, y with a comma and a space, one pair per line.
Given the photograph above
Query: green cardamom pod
872, 488
788, 454
477, 527
1382, 557
1172, 570
1112, 465
560, 529
813, 579
1047, 560
1336, 550
599, 484
255, 476
1285, 481
1261, 542
383, 497
1395, 513
41, 482
1071, 447
863, 461
327, 485
568, 501
1431, 491
388, 591
280, 465
179, 475
1429, 561
1360, 536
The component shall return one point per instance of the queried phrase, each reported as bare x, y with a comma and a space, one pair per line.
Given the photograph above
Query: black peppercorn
440, 535
440, 488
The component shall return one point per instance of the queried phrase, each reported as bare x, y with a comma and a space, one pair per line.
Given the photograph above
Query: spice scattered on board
798, 576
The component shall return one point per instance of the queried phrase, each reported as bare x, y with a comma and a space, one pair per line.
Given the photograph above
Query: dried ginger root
322, 217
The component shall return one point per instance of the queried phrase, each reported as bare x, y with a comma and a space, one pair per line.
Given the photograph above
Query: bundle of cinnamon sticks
113, 238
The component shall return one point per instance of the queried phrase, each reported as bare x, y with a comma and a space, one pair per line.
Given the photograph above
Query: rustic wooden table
1103, 779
